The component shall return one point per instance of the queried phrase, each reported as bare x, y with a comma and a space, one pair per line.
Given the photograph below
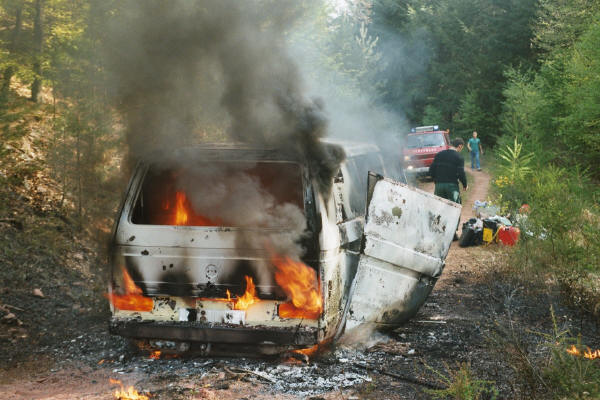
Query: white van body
376, 245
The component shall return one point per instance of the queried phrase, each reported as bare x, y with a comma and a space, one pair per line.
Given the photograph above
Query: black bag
470, 236
478, 237
491, 224
467, 237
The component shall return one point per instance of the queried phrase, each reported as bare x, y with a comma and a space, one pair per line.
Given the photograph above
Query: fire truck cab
421, 146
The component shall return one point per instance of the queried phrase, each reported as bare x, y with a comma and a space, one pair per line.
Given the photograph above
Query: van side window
358, 168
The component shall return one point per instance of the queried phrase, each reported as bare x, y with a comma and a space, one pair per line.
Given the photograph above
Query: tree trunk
38, 40
12, 48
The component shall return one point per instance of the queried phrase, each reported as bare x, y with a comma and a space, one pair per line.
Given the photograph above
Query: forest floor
55, 344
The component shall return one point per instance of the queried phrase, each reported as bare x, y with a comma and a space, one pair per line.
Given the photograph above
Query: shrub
561, 233
559, 368
514, 167
462, 385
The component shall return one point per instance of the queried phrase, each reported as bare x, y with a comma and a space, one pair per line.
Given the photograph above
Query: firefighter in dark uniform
447, 168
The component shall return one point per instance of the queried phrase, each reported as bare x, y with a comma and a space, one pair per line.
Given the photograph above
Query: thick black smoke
185, 70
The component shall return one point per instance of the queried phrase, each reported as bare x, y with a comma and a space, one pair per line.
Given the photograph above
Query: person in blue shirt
474, 145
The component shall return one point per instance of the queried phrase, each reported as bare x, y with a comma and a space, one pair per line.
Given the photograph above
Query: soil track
478, 183
461, 260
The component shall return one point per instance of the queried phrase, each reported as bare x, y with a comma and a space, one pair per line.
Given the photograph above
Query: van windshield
231, 194
425, 140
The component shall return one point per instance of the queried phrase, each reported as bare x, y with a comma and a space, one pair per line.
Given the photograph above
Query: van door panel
407, 235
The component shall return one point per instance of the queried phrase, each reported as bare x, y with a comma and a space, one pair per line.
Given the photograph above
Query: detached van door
407, 235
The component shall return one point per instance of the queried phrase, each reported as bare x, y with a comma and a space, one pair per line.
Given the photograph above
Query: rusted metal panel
407, 236
409, 227
385, 295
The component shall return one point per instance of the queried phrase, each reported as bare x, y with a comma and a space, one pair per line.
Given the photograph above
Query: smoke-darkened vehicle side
233, 249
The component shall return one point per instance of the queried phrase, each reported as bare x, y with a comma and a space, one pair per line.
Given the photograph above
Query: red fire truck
421, 146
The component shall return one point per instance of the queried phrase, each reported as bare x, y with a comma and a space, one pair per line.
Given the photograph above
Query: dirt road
478, 182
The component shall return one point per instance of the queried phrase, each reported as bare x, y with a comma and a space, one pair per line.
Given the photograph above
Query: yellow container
488, 235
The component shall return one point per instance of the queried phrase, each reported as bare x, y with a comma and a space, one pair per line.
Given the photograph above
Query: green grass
559, 247
461, 384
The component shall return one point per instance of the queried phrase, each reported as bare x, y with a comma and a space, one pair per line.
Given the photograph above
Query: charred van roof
245, 151
351, 148
216, 152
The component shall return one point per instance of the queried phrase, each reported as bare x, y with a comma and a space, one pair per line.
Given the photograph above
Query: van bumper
212, 333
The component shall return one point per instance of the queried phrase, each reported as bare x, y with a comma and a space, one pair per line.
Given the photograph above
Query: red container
508, 235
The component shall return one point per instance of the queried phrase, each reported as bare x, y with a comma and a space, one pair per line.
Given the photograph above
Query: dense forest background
511, 69
524, 68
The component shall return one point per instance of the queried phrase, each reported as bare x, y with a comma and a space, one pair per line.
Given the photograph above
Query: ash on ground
468, 318
334, 370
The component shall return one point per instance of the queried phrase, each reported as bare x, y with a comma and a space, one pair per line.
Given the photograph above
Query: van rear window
231, 194
425, 140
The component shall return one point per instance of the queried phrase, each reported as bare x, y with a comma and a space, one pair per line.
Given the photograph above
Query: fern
515, 164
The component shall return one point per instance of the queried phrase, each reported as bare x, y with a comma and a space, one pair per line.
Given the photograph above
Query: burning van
234, 249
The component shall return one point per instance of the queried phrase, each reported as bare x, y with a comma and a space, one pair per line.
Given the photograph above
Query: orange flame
573, 351
132, 300
184, 215
129, 394
241, 303
300, 283
249, 297
155, 355
592, 355
309, 351
588, 353
181, 213
306, 354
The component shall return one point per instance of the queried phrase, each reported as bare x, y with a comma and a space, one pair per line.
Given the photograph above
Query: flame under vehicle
422, 144
196, 267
